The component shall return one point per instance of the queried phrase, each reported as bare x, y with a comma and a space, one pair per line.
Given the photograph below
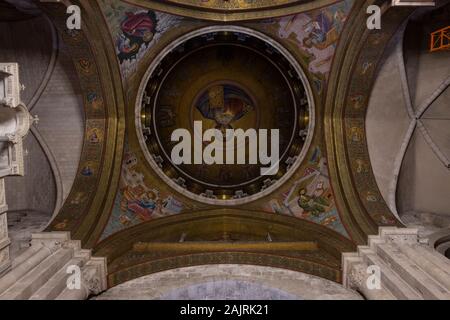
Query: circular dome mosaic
225, 103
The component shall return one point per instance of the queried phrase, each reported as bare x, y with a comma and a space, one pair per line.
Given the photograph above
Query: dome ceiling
140, 83
149, 68
142, 193
223, 93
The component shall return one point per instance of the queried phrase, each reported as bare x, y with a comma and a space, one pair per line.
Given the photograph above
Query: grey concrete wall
229, 282
29, 43
425, 70
52, 85
61, 120
424, 181
387, 121
53, 147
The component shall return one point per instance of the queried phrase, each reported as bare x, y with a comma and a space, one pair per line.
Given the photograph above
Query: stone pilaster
406, 268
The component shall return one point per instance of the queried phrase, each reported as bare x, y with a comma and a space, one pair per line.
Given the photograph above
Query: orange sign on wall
440, 40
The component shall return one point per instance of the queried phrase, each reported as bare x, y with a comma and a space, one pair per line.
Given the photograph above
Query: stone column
406, 268
5, 263
93, 281
15, 124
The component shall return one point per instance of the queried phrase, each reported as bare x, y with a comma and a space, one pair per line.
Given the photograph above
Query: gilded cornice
354, 70
311, 249
87, 206
232, 10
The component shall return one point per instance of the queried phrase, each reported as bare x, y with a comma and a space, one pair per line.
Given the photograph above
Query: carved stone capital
91, 280
94, 275
7, 102
357, 277
14, 138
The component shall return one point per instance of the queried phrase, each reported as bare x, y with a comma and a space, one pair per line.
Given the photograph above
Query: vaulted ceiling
120, 204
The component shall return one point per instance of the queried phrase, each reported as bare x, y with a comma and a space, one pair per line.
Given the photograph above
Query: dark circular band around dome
225, 80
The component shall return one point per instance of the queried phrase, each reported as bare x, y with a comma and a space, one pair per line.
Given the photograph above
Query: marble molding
44, 270
409, 269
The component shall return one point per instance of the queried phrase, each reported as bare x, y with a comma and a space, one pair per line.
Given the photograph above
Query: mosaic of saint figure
137, 29
142, 205
323, 30
315, 204
224, 104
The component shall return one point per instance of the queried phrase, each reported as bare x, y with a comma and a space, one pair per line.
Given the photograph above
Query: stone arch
230, 282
